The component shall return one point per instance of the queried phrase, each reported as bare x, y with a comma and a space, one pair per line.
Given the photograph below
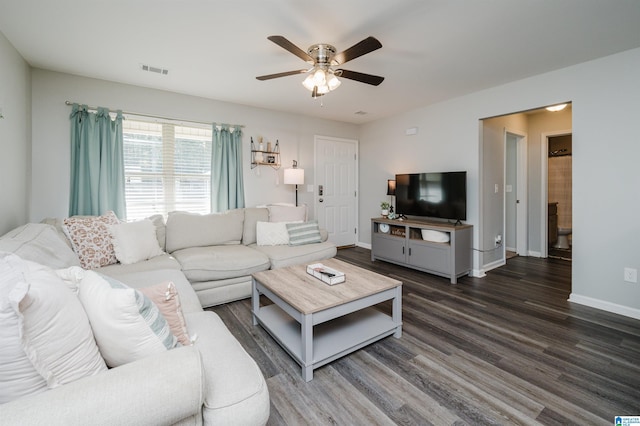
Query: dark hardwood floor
505, 349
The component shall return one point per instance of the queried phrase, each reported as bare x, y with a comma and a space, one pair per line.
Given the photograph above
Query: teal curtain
227, 183
97, 163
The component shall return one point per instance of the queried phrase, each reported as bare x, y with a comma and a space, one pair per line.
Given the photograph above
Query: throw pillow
166, 298
272, 233
287, 213
17, 374
127, 325
303, 233
135, 241
52, 327
91, 239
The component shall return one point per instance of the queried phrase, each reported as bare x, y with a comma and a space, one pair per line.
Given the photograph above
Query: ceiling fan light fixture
321, 81
308, 83
323, 90
333, 82
319, 77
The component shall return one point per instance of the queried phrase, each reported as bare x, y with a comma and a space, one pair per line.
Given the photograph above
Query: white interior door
336, 188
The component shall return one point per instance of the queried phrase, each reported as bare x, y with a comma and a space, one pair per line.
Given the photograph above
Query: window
167, 167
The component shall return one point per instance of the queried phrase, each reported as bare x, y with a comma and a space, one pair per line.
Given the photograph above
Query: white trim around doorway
544, 188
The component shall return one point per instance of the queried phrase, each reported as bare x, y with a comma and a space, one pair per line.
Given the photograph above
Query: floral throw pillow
91, 239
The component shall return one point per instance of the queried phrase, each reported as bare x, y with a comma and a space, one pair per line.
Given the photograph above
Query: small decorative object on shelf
325, 274
384, 206
259, 156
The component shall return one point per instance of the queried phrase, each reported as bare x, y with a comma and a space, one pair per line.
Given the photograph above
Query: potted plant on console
384, 206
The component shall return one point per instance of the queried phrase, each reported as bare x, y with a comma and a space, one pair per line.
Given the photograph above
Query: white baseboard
364, 245
605, 306
534, 253
477, 273
493, 265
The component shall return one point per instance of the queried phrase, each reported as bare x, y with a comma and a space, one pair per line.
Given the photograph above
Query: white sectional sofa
218, 253
213, 381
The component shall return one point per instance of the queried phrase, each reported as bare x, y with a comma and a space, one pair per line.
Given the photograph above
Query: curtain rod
159, 117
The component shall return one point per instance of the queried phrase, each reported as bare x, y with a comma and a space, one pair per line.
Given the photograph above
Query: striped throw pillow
126, 324
303, 233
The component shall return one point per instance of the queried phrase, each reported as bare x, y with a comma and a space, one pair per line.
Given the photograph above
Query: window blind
167, 168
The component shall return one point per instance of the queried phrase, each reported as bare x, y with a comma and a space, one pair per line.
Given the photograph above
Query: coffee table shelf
332, 339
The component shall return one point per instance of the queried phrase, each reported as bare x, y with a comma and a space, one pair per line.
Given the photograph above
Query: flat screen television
435, 195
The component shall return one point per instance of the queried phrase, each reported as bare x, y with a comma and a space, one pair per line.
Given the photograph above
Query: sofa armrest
157, 390
324, 235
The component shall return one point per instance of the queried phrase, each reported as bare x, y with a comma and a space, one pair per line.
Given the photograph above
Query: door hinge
355, 194
355, 231
355, 157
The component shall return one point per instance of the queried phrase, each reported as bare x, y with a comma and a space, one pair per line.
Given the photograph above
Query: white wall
539, 125
15, 137
606, 108
51, 135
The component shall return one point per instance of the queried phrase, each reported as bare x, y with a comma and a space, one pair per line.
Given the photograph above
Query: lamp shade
391, 187
293, 176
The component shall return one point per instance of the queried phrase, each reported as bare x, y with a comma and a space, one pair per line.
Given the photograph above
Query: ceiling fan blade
367, 45
287, 45
361, 77
280, 74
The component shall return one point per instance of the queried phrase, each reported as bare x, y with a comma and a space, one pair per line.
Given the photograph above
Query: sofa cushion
194, 230
135, 241
51, 325
220, 262
91, 239
40, 243
279, 213
283, 256
161, 229
235, 389
253, 215
165, 261
126, 324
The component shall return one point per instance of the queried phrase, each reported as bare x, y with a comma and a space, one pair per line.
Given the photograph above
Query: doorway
533, 126
515, 197
559, 195
336, 196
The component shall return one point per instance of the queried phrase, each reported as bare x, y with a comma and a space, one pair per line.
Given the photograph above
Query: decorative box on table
325, 274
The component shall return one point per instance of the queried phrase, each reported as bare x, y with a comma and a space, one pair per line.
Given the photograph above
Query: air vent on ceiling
156, 70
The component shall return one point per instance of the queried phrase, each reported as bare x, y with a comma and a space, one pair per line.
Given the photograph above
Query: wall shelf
263, 157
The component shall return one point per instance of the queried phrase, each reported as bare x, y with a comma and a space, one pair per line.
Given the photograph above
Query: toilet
563, 238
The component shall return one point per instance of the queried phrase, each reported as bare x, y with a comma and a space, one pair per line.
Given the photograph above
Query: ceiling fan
323, 76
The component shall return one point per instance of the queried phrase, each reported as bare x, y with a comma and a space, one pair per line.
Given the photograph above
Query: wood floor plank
504, 349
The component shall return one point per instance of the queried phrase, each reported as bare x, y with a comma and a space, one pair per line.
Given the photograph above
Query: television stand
401, 242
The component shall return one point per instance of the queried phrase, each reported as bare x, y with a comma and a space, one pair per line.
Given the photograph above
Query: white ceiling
432, 49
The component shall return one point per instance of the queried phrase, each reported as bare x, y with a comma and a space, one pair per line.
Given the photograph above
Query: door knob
320, 200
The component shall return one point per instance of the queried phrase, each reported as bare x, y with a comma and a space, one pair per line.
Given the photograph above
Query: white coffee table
317, 323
